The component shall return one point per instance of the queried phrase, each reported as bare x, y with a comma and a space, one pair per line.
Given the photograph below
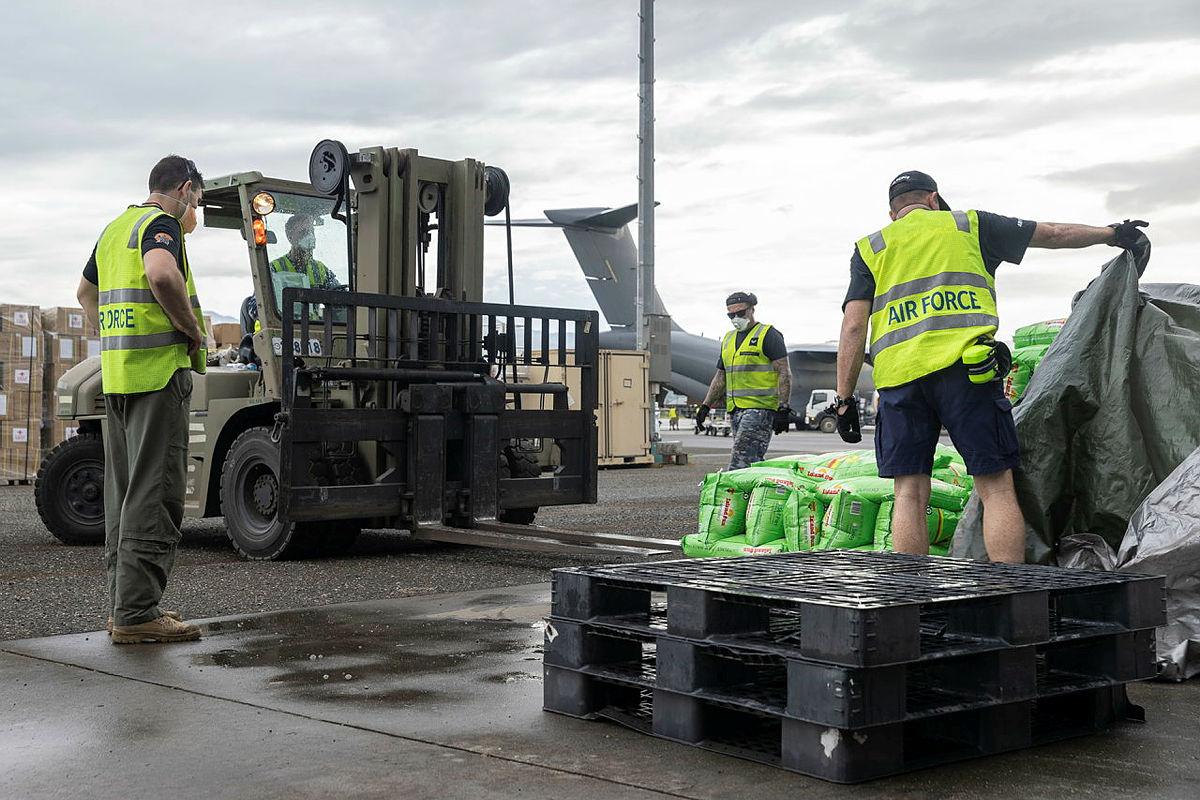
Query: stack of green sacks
741, 511
858, 515
818, 502
1030, 344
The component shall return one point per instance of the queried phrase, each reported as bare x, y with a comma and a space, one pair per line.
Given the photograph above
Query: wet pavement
440, 696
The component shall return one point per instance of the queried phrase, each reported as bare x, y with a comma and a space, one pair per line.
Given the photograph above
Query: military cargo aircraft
607, 254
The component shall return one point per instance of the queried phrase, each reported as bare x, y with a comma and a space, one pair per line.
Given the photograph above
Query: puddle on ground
364, 657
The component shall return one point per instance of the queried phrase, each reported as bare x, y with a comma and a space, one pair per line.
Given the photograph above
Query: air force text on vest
114, 318
939, 300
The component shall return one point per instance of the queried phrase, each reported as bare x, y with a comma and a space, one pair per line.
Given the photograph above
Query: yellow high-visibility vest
933, 294
750, 380
139, 347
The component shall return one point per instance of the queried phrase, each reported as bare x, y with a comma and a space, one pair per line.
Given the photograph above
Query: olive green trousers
145, 472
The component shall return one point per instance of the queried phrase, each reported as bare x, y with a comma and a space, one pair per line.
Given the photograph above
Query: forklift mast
396, 405
420, 224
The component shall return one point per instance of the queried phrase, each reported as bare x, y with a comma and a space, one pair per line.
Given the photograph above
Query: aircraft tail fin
607, 254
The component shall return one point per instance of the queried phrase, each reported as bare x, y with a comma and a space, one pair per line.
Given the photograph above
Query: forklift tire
249, 499
827, 425
517, 464
69, 490
727, 431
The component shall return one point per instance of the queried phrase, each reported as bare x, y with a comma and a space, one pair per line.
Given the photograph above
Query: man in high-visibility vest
300, 259
926, 286
139, 286
753, 376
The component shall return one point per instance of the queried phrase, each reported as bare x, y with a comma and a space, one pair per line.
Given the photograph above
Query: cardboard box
63, 348
21, 374
20, 449
20, 319
227, 334
21, 406
14, 346
66, 320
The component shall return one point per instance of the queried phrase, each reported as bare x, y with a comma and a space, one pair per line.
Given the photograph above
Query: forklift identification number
314, 346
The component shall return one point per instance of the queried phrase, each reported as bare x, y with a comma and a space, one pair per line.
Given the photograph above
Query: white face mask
740, 323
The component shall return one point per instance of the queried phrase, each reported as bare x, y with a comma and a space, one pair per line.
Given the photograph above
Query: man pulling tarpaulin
1112, 410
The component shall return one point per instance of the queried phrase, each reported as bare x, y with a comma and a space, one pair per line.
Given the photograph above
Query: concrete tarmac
440, 696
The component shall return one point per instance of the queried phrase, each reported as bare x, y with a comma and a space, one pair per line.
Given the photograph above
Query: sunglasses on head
736, 314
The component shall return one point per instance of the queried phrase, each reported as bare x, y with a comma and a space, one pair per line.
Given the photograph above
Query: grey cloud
981, 38
1145, 184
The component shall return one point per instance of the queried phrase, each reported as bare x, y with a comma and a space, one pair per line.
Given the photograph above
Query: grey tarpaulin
1164, 539
1112, 409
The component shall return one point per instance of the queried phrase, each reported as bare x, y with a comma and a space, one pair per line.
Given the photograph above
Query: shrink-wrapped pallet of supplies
21, 371
68, 338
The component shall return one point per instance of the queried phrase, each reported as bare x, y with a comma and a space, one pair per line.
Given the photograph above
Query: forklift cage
427, 387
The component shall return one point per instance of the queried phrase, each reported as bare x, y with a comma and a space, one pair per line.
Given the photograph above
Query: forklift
373, 387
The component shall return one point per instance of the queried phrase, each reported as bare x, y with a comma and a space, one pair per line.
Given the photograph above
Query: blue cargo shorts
977, 416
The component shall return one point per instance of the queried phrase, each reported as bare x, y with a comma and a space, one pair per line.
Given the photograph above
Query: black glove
701, 415
848, 426
783, 418
1128, 233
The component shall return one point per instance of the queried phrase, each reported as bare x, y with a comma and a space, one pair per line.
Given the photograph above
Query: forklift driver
300, 259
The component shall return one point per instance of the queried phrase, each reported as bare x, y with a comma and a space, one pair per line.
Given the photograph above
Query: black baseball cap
741, 297
915, 181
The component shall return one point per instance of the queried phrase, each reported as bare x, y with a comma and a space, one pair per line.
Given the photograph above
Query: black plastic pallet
779, 681
831, 753
860, 608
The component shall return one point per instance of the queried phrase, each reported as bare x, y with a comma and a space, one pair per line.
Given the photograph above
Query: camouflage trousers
751, 436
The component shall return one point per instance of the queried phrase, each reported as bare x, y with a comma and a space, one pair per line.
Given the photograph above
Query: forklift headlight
263, 203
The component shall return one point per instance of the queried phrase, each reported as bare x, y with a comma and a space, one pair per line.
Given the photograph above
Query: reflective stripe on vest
933, 293
750, 380
285, 264
139, 347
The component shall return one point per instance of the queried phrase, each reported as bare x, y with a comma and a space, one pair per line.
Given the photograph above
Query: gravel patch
49, 588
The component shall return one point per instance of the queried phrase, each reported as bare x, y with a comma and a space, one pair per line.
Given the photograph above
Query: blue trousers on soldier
751, 435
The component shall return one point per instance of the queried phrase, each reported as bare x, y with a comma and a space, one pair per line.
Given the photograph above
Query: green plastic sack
802, 521
738, 546
852, 506
1025, 362
765, 512
724, 497
940, 523
824, 466
795, 463
695, 546
955, 474
874, 489
1038, 333
748, 478
722, 510
944, 454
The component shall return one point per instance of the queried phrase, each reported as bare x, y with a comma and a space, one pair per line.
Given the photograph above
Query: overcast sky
779, 127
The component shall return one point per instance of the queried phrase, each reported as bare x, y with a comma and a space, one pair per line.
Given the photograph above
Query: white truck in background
817, 417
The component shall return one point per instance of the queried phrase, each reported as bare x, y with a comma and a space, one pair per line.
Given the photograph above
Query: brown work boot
172, 614
163, 629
